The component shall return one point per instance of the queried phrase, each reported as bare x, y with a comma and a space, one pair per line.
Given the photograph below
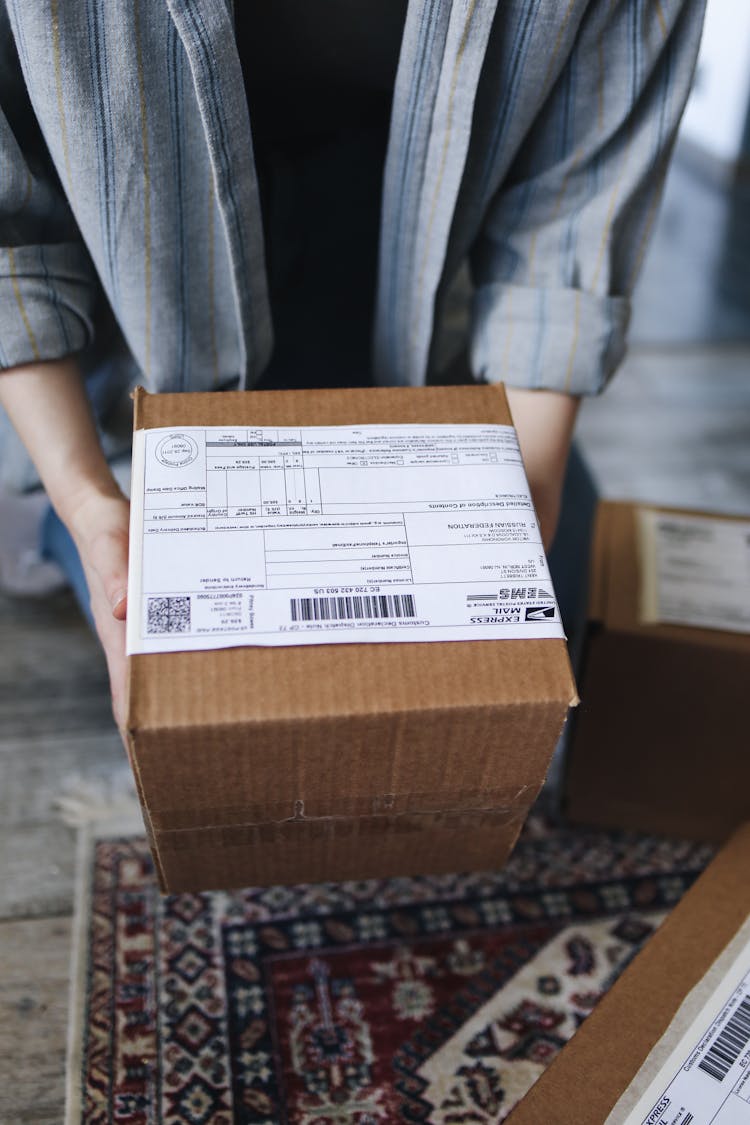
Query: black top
312, 68
319, 81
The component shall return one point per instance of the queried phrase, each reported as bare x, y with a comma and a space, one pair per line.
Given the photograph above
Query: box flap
338, 849
333, 407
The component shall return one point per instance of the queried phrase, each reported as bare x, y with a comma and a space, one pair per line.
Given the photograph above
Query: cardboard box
261, 765
659, 743
586, 1080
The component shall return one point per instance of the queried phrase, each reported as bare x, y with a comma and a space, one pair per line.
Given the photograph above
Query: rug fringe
77, 991
96, 808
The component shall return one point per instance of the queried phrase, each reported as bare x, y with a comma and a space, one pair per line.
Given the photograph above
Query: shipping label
311, 535
705, 1078
695, 570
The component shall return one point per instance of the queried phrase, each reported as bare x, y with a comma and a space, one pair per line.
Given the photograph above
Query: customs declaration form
311, 535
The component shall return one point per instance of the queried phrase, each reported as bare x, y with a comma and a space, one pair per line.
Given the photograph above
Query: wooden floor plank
37, 769
53, 627
38, 861
35, 959
53, 677
73, 713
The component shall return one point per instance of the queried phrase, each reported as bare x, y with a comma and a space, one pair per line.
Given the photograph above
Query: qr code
168, 615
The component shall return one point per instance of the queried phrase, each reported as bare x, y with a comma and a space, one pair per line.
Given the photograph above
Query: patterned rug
431, 1000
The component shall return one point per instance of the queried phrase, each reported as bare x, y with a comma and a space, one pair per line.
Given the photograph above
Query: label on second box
695, 570
312, 535
704, 1078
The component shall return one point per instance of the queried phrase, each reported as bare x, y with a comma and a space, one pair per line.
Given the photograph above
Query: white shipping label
705, 1078
286, 536
695, 570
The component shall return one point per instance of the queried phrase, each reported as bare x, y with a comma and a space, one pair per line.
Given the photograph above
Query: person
151, 234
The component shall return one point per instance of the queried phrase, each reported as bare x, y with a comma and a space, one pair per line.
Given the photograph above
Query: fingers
120, 608
108, 558
103, 546
112, 636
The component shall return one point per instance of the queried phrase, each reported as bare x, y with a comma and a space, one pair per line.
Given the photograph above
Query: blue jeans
58, 546
569, 555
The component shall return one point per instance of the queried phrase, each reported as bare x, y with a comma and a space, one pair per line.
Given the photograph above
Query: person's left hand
544, 421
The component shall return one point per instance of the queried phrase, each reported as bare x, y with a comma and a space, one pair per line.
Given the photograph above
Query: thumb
120, 606
109, 561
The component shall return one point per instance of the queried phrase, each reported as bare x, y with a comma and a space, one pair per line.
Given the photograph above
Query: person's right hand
99, 526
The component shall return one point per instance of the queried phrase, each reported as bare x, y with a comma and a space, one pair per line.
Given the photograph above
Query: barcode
686, 1120
168, 615
726, 1048
355, 608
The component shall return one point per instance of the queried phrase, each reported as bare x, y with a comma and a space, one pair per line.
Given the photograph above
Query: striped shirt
529, 138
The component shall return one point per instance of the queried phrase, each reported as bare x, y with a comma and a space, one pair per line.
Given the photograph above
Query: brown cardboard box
659, 743
585, 1081
262, 765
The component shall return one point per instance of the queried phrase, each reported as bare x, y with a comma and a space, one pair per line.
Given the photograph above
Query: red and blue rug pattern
423, 1000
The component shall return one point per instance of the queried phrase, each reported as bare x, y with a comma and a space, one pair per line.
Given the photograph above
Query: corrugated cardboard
261, 765
660, 741
585, 1081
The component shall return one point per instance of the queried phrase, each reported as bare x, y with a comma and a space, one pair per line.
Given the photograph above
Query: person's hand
99, 525
544, 421
48, 405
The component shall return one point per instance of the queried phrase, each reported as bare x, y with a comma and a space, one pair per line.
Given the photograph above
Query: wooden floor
55, 722
674, 428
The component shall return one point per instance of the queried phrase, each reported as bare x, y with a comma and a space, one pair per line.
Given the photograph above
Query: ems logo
523, 593
539, 612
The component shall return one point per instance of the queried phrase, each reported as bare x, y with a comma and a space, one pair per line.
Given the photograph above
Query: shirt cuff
552, 339
47, 299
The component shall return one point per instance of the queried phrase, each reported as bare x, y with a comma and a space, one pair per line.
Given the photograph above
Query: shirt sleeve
564, 239
48, 285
